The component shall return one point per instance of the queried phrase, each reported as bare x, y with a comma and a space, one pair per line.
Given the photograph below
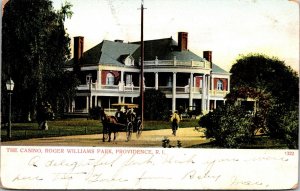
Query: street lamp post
10, 87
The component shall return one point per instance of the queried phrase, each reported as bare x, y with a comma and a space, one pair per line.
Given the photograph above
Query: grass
156, 125
259, 142
56, 128
75, 127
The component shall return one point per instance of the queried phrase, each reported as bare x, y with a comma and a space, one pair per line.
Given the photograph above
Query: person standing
120, 116
175, 119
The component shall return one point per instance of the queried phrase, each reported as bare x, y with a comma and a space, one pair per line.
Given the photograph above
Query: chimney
182, 41
207, 55
78, 48
118, 40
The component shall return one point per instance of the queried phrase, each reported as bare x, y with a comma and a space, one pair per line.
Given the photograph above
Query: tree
35, 49
275, 86
271, 74
156, 105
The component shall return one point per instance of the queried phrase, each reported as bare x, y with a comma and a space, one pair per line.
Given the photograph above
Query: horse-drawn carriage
126, 121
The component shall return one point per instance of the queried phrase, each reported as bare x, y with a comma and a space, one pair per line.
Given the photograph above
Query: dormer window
127, 59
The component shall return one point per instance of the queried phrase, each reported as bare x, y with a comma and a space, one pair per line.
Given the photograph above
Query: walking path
187, 136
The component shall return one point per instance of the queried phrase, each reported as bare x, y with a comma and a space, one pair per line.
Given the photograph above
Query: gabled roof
113, 53
217, 69
107, 52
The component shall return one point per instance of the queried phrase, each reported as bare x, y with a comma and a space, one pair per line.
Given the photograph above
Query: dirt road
187, 136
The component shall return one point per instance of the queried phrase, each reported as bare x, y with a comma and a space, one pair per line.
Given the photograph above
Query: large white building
110, 73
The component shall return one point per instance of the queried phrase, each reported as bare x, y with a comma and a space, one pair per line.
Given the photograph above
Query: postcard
150, 94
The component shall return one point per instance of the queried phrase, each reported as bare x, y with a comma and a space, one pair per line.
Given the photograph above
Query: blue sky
228, 28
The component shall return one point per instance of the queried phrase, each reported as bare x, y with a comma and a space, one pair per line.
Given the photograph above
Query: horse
110, 124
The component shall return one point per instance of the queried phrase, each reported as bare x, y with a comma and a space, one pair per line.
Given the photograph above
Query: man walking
175, 119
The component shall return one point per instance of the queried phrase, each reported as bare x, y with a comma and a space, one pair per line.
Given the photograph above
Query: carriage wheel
139, 128
129, 131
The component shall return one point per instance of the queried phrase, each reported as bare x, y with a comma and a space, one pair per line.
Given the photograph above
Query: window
128, 79
88, 78
110, 79
220, 85
169, 83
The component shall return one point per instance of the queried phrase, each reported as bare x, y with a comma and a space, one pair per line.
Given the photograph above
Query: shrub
94, 113
229, 125
156, 105
284, 125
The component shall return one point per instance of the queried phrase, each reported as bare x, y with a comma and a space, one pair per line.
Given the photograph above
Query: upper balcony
112, 88
177, 63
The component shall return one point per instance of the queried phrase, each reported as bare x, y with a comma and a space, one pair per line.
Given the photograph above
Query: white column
191, 90
207, 89
228, 84
73, 106
120, 99
99, 79
174, 92
203, 93
95, 101
87, 104
156, 80
215, 104
91, 102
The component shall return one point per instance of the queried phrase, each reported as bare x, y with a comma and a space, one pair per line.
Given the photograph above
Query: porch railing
165, 89
218, 93
117, 88
178, 63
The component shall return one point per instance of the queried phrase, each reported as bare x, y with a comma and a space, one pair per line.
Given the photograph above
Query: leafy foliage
271, 74
35, 49
263, 101
275, 87
94, 113
229, 125
156, 107
284, 125
166, 143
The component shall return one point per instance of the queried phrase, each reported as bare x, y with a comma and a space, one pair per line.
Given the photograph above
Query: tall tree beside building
35, 48
270, 74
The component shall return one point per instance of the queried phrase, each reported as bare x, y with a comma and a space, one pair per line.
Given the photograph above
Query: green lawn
259, 142
75, 127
